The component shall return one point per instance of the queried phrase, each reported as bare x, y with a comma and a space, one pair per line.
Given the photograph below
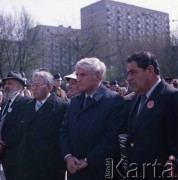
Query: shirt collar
148, 94
13, 98
44, 100
91, 95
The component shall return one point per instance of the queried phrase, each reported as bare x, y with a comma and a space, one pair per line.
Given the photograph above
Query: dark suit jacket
92, 132
40, 157
153, 136
12, 134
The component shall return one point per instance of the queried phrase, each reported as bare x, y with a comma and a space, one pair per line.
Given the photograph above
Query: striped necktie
5, 110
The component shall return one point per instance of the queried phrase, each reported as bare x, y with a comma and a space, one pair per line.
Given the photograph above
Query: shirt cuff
67, 156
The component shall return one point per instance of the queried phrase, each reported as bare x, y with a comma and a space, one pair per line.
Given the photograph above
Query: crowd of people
46, 131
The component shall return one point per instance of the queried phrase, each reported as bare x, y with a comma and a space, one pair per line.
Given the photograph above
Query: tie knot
38, 105
88, 98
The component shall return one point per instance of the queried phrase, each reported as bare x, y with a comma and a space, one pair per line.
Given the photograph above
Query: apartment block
125, 20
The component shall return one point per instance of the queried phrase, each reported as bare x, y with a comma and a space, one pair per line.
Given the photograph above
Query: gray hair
47, 76
92, 65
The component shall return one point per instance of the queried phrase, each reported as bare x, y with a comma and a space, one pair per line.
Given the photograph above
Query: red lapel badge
150, 104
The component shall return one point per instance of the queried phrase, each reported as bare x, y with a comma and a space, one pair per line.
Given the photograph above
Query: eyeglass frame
38, 85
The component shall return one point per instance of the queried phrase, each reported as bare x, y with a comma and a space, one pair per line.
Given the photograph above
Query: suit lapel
15, 102
80, 98
133, 110
149, 106
31, 110
96, 97
44, 110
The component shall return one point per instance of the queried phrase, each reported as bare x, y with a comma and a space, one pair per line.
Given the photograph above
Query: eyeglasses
38, 86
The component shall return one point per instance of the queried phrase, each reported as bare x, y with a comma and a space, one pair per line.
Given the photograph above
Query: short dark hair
144, 59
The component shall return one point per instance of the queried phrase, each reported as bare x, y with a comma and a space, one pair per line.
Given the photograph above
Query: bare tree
18, 52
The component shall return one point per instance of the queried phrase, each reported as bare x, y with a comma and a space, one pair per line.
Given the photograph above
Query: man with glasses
40, 149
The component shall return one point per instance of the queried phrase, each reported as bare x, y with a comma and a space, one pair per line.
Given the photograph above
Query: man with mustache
11, 121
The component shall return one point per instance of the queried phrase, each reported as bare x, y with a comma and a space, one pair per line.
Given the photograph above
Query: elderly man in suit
93, 122
40, 157
11, 121
153, 118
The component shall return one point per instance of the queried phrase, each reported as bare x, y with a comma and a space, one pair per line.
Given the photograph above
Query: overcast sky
67, 12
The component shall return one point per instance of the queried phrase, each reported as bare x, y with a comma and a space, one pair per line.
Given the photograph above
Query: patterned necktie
142, 103
5, 110
38, 105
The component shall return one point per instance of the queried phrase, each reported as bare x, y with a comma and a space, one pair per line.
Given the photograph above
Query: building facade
54, 48
124, 29
110, 30
125, 20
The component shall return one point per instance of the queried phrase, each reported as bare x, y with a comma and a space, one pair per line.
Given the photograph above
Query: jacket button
132, 144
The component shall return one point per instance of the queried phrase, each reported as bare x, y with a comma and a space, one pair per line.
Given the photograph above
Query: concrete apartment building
109, 25
53, 48
123, 29
125, 20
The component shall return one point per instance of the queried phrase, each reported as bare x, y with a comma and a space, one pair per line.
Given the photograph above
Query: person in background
122, 91
11, 123
56, 88
175, 83
129, 96
39, 153
153, 117
107, 84
26, 92
114, 86
72, 88
169, 80
93, 122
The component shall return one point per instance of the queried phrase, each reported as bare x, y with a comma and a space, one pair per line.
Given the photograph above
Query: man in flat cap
10, 121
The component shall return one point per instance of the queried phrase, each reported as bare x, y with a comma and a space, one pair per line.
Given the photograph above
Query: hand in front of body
72, 164
172, 167
83, 163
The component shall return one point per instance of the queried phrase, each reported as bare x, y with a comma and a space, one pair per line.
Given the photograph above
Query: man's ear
98, 76
150, 69
50, 87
